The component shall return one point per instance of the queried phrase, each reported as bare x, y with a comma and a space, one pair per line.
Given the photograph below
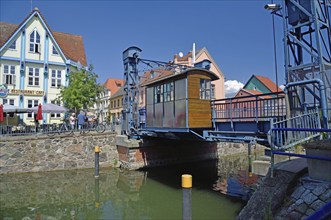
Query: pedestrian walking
81, 120
72, 120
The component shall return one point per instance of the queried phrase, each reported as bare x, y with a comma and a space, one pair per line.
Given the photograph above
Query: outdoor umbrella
50, 108
39, 113
14, 109
1, 113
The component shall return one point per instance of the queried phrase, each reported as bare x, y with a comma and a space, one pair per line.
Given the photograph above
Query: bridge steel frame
307, 51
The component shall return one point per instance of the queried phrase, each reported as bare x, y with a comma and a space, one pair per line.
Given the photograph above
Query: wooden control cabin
178, 101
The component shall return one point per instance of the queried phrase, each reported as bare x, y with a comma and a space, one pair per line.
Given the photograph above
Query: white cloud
232, 87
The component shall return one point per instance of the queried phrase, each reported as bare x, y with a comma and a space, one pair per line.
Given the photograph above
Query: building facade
102, 105
35, 62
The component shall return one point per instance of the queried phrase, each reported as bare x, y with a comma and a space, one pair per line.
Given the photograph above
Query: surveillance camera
272, 6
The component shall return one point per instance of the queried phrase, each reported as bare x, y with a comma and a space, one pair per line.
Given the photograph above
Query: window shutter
4, 79
14, 79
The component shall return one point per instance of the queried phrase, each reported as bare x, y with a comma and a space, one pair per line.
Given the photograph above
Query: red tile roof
158, 75
113, 85
71, 45
269, 84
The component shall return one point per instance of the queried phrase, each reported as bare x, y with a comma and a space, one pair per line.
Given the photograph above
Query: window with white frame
205, 88
33, 76
9, 76
55, 115
56, 78
8, 101
32, 103
54, 51
13, 45
35, 42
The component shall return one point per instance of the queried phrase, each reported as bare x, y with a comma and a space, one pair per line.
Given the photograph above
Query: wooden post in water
187, 196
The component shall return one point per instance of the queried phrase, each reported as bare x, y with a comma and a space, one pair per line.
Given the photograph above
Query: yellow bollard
96, 161
187, 181
187, 196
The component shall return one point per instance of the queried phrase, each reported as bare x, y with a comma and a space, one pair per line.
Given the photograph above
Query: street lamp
272, 7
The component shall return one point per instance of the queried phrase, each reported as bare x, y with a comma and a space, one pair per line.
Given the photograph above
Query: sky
237, 34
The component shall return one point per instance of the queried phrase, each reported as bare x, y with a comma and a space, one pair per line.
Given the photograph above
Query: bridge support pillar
135, 154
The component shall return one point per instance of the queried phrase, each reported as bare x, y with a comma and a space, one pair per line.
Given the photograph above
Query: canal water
219, 190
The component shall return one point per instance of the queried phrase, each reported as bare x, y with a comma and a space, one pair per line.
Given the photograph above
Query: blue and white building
36, 61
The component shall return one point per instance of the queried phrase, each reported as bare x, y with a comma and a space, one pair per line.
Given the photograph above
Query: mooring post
97, 151
96, 193
187, 196
250, 159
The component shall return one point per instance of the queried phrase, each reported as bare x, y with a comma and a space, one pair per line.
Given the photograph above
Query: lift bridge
283, 120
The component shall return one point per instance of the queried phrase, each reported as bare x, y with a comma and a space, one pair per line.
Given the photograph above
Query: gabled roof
266, 82
120, 92
269, 84
158, 75
71, 45
161, 74
113, 84
250, 92
199, 52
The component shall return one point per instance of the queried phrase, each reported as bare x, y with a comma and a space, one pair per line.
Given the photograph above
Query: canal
219, 188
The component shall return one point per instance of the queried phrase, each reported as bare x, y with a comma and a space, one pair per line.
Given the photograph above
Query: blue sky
238, 34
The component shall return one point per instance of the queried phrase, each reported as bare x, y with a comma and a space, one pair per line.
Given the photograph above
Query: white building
35, 61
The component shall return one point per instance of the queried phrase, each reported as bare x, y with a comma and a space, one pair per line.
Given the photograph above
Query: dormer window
35, 42
13, 45
54, 51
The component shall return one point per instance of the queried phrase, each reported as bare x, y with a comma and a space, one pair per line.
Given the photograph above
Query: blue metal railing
251, 107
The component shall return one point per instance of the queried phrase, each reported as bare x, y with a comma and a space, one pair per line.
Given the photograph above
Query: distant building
218, 91
101, 107
116, 106
254, 98
35, 61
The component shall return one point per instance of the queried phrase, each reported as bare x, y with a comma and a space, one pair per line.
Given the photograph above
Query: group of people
81, 119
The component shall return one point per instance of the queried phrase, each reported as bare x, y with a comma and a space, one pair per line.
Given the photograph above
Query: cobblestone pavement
308, 197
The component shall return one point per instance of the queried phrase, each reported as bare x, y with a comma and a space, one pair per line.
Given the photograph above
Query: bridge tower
307, 54
131, 89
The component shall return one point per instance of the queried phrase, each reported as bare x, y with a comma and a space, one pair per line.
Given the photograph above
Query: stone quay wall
66, 152
61, 152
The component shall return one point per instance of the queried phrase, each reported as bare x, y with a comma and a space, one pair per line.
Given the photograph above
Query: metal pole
187, 196
250, 159
96, 193
97, 151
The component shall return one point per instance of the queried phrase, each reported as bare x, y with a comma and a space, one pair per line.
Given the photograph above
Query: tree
82, 90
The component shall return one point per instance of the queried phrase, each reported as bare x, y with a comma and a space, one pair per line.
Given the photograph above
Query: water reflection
117, 194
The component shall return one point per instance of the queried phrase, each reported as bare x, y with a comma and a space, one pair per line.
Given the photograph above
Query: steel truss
307, 47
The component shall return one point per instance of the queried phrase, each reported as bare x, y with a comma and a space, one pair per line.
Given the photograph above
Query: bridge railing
250, 108
287, 133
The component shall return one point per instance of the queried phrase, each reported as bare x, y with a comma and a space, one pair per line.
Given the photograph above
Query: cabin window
32, 103
56, 78
168, 92
212, 91
205, 88
33, 76
9, 76
35, 42
13, 45
158, 91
